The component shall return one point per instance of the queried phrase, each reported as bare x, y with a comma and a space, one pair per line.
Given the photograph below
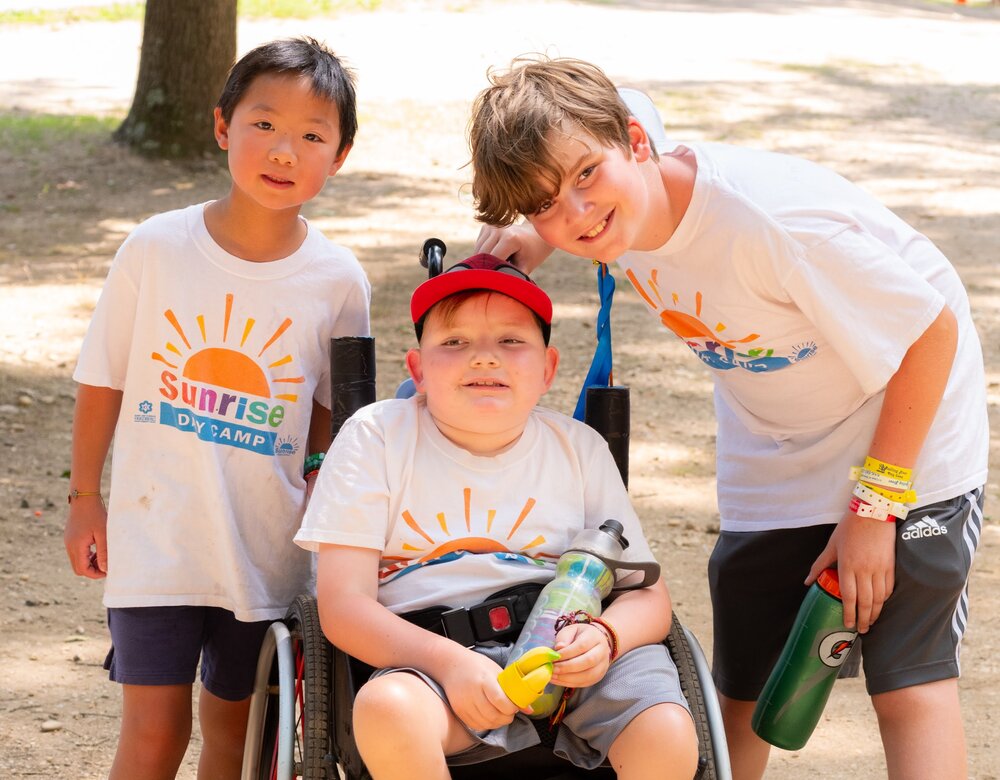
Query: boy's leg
403, 729
154, 656
922, 732
230, 651
748, 753
223, 729
155, 729
635, 717
660, 743
911, 653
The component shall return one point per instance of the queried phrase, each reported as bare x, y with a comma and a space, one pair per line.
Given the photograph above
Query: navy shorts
756, 577
162, 646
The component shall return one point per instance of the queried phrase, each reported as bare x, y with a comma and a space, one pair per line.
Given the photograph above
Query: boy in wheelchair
464, 491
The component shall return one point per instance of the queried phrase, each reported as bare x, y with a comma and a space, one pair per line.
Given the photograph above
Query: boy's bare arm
320, 437
518, 244
864, 549
94, 419
353, 619
320, 424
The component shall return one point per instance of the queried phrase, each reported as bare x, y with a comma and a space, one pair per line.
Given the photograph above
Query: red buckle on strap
500, 618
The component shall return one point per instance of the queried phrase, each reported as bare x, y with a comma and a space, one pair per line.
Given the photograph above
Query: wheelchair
300, 721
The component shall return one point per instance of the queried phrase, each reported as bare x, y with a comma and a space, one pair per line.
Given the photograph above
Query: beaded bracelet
313, 462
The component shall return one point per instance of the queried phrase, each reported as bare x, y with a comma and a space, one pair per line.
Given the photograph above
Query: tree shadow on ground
69, 203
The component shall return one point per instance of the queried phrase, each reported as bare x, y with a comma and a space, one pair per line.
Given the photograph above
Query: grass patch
26, 133
246, 9
116, 12
301, 9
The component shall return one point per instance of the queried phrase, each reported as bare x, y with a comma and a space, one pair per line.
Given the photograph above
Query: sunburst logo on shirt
686, 326
224, 366
432, 543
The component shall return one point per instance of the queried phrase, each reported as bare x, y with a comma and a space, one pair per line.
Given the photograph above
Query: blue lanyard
599, 374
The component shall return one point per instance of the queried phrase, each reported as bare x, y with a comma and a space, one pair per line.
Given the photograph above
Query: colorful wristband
869, 477
864, 509
612, 636
888, 470
904, 497
869, 496
313, 462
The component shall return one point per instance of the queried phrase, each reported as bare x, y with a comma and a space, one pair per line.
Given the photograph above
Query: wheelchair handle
432, 256
607, 411
352, 377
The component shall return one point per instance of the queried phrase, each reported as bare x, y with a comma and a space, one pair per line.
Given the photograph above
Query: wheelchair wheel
288, 731
699, 690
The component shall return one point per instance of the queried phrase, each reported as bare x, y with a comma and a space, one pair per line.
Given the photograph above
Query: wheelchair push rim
289, 722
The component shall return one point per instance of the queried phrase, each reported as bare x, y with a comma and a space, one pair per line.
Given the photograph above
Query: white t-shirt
219, 360
454, 528
802, 294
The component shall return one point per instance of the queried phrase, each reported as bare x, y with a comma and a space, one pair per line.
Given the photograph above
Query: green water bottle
795, 694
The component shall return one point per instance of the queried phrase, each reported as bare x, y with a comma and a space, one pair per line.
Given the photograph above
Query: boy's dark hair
514, 171
303, 56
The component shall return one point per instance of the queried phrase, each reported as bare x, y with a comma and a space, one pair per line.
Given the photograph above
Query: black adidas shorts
756, 578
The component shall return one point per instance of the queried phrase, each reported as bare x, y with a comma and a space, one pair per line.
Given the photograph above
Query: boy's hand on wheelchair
475, 695
584, 656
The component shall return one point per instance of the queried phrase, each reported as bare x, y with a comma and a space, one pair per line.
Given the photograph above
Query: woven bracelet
582, 616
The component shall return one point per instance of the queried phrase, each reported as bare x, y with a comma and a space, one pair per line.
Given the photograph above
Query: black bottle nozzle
607, 542
615, 530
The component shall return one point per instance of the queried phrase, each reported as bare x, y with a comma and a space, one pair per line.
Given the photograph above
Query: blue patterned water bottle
585, 575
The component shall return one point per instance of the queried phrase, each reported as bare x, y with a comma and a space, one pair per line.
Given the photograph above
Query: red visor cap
480, 272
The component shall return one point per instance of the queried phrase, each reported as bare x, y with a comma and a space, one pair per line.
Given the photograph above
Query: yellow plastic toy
524, 679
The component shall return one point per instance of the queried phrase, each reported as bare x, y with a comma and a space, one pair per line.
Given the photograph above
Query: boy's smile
483, 368
599, 229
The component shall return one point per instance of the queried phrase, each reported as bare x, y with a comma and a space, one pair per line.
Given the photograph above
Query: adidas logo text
923, 529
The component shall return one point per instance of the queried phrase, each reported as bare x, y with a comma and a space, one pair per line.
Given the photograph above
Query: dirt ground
898, 96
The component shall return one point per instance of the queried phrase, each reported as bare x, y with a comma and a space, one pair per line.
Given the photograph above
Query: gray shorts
595, 716
756, 578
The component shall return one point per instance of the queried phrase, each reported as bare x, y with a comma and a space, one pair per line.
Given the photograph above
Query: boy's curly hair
513, 169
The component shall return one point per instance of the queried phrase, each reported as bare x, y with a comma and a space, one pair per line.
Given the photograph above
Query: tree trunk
188, 47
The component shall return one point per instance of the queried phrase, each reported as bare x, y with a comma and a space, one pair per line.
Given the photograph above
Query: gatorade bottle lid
829, 581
